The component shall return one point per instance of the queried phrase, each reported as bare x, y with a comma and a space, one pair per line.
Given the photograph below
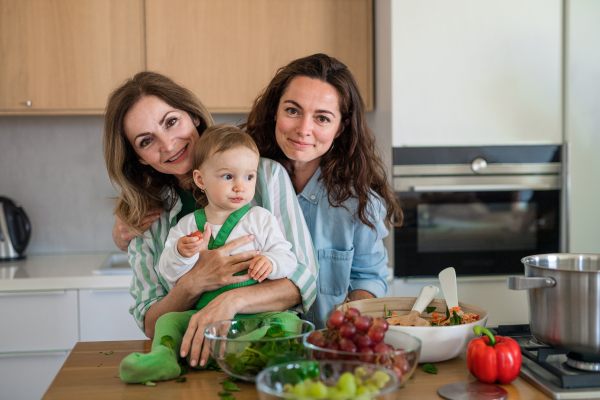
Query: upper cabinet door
65, 56
475, 72
227, 51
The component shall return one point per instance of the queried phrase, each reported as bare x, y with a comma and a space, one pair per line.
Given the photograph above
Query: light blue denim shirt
351, 255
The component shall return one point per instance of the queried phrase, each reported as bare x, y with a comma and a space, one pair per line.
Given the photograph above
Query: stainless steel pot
564, 299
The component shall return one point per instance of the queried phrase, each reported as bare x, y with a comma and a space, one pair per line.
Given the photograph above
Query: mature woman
151, 126
311, 119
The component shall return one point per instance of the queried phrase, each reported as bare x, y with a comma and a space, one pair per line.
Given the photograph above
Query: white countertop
60, 272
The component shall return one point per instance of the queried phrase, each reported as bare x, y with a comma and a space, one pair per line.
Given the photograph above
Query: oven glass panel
477, 233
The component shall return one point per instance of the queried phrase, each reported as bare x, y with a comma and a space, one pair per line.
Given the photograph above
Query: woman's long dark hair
353, 167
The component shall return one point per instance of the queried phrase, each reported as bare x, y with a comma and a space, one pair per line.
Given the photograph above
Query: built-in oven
478, 209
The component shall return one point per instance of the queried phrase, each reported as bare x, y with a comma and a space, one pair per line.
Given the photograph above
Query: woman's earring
202, 190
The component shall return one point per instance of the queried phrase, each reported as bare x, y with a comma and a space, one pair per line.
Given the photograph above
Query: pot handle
524, 283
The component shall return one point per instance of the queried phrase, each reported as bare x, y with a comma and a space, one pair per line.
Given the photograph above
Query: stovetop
546, 367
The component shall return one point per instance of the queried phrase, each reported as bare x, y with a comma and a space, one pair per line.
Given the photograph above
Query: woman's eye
227, 176
144, 142
171, 122
322, 119
291, 110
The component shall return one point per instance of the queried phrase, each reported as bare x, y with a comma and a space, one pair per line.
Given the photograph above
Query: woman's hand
221, 308
121, 234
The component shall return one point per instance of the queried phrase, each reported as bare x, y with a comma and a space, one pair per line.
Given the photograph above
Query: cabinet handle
47, 293
36, 354
28, 103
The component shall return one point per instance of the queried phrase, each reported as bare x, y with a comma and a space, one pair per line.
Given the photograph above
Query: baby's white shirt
268, 238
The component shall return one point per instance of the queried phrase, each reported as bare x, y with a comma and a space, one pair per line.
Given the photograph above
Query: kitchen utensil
564, 294
425, 296
439, 343
270, 382
229, 339
15, 230
406, 357
448, 283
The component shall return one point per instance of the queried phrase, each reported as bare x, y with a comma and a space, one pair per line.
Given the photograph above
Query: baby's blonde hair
216, 139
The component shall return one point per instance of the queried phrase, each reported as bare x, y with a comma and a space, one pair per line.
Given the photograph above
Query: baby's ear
198, 178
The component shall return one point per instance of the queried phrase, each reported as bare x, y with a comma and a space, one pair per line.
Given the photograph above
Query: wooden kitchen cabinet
227, 51
65, 56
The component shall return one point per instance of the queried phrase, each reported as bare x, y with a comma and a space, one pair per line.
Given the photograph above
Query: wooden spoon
425, 296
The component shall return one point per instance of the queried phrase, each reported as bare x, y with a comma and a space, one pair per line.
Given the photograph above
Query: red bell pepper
492, 359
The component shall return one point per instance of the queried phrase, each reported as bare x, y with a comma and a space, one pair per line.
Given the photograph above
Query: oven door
478, 225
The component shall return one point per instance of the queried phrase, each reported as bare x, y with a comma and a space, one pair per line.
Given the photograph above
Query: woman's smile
302, 145
179, 156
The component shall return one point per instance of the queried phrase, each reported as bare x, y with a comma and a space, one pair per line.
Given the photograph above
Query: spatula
425, 296
448, 284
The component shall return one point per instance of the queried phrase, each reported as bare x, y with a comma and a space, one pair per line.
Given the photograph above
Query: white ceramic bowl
439, 343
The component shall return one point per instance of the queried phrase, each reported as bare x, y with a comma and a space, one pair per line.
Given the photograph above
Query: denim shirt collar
312, 190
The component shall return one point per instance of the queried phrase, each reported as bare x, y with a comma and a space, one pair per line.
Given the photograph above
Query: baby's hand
260, 268
191, 244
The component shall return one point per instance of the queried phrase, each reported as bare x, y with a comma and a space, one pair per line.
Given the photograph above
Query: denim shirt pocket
334, 271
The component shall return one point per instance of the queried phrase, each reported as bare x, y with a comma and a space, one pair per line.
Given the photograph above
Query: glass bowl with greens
326, 379
243, 347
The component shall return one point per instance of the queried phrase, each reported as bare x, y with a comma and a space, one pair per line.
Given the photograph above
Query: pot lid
579, 262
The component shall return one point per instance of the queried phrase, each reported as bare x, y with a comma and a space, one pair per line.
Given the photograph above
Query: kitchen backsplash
55, 168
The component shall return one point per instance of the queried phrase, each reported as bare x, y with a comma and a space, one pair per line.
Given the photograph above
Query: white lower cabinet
26, 376
104, 315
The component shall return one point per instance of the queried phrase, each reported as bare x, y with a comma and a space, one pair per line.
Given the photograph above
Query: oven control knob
479, 165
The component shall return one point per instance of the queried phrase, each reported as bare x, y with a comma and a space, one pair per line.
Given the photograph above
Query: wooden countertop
88, 373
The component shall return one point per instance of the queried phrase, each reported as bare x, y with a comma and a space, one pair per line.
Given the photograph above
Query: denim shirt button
312, 196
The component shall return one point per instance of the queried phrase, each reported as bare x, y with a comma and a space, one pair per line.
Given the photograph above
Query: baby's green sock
161, 364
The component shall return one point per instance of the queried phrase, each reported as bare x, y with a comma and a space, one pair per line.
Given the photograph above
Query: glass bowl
402, 361
241, 349
271, 381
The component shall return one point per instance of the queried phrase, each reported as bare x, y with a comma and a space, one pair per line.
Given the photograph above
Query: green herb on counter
117, 376
429, 310
230, 386
227, 397
402, 386
430, 368
109, 353
223, 393
168, 342
149, 383
183, 370
182, 379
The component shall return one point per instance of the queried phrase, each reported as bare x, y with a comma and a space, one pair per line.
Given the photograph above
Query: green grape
347, 384
360, 372
300, 389
318, 390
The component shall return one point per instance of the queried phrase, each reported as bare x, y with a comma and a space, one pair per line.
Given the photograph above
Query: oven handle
483, 188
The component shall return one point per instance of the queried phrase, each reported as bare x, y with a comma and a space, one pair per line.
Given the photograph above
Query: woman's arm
276, 193
369, 266
277, 295
121, 234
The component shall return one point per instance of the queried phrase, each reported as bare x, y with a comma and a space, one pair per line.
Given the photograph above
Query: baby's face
229, 178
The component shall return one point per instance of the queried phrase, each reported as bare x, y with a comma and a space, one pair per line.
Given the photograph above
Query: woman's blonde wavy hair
139, 185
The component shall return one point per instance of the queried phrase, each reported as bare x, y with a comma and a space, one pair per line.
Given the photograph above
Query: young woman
151, 126
311, 119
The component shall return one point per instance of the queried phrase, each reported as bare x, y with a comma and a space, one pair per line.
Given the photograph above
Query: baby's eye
250, 177
227, 176
170, 122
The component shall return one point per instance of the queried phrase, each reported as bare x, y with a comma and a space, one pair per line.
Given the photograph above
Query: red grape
336, 318
398, 373
402, 364
313, 336
381, 348
366, 355
332, 355
348, 330
376, 334
347, 345
362, 323
382, 323
364, 341
351, 314
329, 325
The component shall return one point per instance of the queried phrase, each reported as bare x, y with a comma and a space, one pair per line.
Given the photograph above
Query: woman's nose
305, 126
167, 142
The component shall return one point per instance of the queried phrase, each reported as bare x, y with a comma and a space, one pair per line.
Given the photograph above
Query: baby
226, 160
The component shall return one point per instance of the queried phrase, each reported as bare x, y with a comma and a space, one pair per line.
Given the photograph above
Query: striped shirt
274, 191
